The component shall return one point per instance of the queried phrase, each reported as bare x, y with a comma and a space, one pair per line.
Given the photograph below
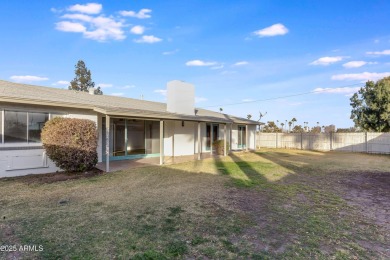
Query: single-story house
128, 128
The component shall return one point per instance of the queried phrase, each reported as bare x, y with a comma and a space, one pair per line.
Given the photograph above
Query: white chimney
180, 97
91, 91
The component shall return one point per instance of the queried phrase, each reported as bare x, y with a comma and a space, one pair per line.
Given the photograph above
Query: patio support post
230, 137
161, 142
107, 143
255, 138
224, 140
199, 141
246, 138
211, 138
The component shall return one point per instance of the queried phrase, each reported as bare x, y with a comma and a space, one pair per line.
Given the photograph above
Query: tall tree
249, 116
83, 80
371, 106
293, 121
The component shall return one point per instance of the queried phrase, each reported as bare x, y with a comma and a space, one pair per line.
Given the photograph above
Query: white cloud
361, 76
273, 30
200, 99
354, 64
105, 28
67, 26
161, 91
118, 94
247, 100
62, 82
99, 28
104, 85
241, 63
142, 14
90, 8
81, 17
327, 60
148, 39
170, 52
200, 63
344, 90
128, 87
28, 78
385, 52
138, 29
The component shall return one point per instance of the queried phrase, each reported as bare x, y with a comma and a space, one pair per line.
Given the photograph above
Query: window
36, 121
22, 127
15, 127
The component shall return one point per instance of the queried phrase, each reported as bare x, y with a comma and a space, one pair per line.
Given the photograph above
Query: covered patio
143, 162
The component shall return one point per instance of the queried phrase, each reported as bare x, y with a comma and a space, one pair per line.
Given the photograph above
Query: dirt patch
260, 233
370, 191
58, 176
7, 233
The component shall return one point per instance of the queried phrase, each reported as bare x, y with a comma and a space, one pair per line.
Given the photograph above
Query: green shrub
218, 146
71, 143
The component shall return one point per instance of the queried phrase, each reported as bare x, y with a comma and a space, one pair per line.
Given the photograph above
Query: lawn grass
270, 204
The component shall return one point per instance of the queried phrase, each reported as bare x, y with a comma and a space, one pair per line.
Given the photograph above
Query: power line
267, 99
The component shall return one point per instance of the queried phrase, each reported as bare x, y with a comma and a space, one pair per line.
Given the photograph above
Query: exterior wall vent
180, 97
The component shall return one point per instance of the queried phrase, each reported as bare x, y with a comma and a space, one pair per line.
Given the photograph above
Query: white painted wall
234, 137
252, 137
251, 134
24, 162
180, 97
179, 140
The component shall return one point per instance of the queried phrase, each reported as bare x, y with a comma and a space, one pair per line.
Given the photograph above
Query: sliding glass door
132, 138
241, 137
212, 135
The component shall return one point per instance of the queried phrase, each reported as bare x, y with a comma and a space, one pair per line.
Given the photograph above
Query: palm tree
282, 124
293, 121
289, 126
249, 116
220, 109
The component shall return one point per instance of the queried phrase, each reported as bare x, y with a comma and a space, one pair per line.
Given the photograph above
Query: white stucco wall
179, 140
234, 137
251, 137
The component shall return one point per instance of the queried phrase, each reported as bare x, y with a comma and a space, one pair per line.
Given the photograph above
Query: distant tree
298, 129
293, 120
370, 106
289, 126
249, 116
315, 130
220, 109
83, 80
271, 127
282, 125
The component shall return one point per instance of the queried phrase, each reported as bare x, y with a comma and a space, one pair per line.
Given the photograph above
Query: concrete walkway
135, 163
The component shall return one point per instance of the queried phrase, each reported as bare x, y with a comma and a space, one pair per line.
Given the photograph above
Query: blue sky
232, 51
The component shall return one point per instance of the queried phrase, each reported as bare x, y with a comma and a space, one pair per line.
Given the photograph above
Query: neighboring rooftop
111, 105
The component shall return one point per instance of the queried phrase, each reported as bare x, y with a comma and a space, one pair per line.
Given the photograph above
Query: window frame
27, 143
